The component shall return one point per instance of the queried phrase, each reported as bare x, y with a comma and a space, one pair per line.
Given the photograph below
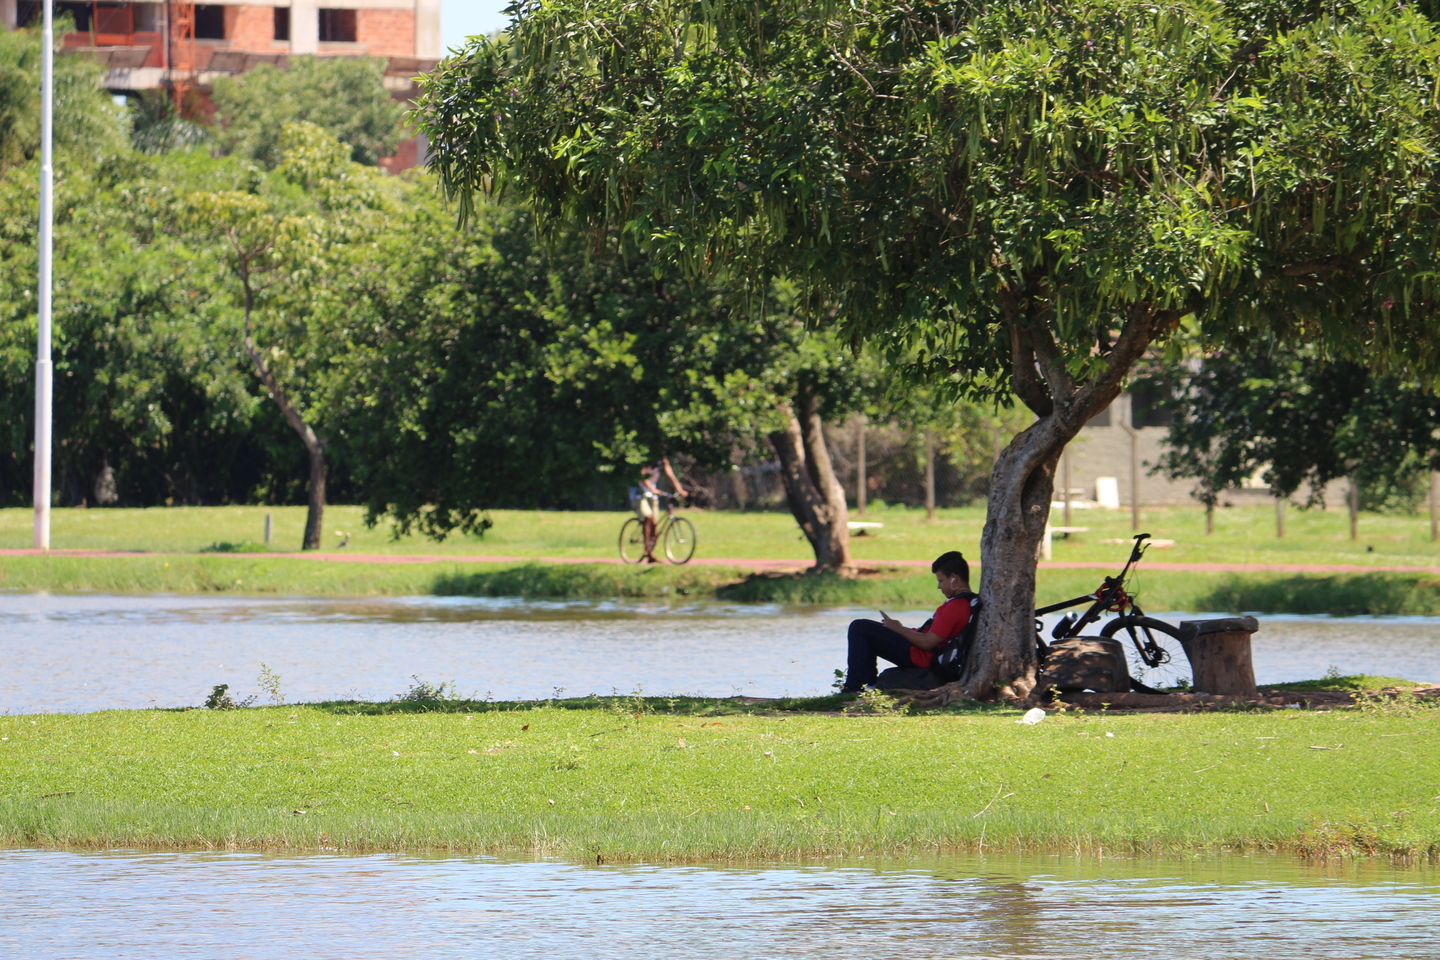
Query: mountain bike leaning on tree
1157, 659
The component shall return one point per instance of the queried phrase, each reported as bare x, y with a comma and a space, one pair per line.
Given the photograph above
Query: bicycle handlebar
1106, 594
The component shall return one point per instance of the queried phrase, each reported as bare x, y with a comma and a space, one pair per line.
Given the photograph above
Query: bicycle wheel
1156, 657
680, 540
632, 541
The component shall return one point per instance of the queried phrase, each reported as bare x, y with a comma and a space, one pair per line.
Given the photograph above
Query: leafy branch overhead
966, 174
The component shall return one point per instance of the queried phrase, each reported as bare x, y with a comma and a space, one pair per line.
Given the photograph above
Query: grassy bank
630, 779
1243, 534
250, 576
1159, 590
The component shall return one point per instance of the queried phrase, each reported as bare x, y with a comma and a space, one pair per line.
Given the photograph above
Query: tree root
1172, 702
955, 692
933, 699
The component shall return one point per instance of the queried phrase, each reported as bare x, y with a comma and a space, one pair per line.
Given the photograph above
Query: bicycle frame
657, 528
1111, 597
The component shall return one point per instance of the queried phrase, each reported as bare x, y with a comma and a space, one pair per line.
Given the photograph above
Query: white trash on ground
1032, 716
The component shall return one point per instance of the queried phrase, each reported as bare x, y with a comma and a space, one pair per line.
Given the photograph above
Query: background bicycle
675, 534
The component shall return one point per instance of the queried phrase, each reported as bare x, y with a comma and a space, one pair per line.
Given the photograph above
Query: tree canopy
1300, 421
87, 124
343, 95
945, 168
1032, 194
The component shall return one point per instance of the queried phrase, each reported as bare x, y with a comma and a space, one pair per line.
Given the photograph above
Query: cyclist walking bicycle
646, 500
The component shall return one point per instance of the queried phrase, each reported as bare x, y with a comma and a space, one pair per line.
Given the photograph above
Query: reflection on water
69, 905
71, 653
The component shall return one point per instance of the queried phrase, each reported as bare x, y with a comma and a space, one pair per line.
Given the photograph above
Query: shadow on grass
1340, 595
601, 581
630, 705
830, 588
583, 581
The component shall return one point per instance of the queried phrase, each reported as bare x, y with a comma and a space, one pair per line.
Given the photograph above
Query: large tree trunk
815, 496
1003, 659
315, 515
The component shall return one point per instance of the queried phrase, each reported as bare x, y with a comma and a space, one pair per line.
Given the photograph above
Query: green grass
239, 574
1242, 534
208, 550
1354, 683
626, 779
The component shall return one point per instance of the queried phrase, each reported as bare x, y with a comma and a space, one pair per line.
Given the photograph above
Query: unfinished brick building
184, 47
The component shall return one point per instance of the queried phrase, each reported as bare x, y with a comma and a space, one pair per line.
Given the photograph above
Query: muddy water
76, 653
120, 905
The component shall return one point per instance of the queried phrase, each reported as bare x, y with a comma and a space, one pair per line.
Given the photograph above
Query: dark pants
869, 640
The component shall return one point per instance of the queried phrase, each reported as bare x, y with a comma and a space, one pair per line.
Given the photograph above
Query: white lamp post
44, 383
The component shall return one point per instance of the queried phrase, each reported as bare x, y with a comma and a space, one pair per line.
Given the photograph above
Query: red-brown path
743, 564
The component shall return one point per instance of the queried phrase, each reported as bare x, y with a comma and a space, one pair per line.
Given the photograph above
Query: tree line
254, 312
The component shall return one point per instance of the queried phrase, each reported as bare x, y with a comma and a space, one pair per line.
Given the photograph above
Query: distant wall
1103, 449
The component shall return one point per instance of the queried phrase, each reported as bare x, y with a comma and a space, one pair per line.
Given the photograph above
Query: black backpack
950, 657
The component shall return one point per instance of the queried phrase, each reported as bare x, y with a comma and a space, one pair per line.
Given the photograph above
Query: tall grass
1341, 595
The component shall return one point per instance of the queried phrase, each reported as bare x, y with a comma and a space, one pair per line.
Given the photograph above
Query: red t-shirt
950, 618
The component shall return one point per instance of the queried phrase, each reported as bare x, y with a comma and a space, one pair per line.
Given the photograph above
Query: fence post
860, 464
269, 528
1134, 474
1065, 479
1353, 500
1434, 506
737, 488
929, 474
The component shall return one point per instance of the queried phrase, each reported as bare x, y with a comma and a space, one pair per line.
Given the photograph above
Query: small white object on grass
1032, 716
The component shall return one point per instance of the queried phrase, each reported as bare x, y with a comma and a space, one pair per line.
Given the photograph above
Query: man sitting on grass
912, 648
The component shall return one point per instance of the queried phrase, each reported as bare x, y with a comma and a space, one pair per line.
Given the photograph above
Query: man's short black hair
952, 562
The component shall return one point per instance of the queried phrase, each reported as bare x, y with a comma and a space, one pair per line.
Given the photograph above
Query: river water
77, 653
191, 905
91, 652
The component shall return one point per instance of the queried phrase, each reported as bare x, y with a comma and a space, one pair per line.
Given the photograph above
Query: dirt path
741, 563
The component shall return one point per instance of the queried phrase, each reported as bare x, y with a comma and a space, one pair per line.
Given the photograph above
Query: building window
148, 18
1150, 406
29, 12
33, 13
1101, 419
282, 23
337, 26
209, 21
115, 23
